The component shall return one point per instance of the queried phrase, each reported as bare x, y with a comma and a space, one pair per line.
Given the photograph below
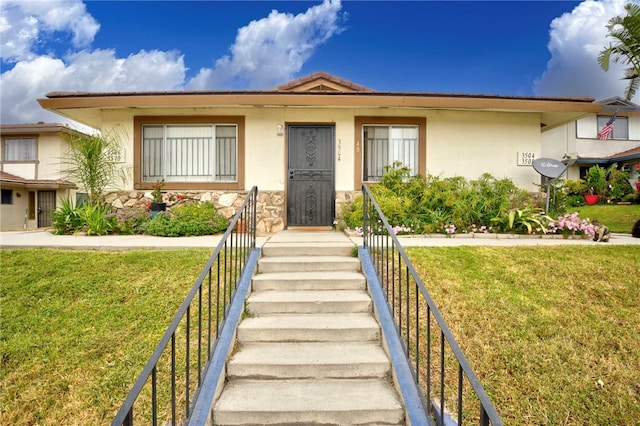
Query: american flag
603, 134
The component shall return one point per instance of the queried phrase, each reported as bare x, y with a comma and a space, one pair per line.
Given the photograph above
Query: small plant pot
157, 208
591, 199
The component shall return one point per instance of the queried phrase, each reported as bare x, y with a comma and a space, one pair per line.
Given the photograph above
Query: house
30, 178
310, 144
578, 143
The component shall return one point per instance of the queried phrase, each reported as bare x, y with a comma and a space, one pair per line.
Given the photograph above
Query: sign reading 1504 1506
526, 158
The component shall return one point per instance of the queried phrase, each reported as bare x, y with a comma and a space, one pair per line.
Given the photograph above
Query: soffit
87, 108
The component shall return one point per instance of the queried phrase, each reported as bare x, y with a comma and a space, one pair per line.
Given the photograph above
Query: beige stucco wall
471, 143
12, 215
51, 150
459, 143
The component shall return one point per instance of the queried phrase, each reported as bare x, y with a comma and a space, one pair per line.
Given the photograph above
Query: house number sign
526, 158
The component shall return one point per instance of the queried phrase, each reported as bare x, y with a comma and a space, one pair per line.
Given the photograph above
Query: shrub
130, 220
433, 204
571, 224
97, 219
67, 219
188, 220
618, 185
92, 219
523, 221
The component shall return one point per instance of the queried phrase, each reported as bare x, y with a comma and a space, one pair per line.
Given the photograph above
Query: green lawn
619, 218
540, 325
78, 326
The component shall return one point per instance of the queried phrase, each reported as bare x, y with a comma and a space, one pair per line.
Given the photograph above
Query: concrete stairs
310, 350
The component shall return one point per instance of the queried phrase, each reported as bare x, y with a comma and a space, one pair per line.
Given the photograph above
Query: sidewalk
39, 238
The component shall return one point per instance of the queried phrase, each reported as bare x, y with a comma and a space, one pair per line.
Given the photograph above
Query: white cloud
271, 50
576, 39
266, 52
97, 71
24, 24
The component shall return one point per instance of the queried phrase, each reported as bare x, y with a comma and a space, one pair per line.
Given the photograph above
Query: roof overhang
8, 180
87, 108
35, 128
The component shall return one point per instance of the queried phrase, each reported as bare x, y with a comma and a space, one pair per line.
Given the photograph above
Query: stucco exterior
33, 188
459, 135
578, 141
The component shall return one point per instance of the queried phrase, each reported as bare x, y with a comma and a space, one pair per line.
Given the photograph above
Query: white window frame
203, 156
620, 126
395, 150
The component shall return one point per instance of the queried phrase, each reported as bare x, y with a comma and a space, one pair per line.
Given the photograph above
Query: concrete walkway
40, 238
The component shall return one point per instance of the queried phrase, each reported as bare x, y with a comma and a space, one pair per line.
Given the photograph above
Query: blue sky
519, 48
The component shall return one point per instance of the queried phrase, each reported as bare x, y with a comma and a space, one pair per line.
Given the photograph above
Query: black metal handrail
438, 366
168, 387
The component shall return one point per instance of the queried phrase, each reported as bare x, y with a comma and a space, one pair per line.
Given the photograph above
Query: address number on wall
526, 158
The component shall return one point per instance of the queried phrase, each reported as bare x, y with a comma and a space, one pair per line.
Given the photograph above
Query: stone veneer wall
270, 210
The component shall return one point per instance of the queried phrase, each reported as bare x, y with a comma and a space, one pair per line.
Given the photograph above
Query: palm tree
626, 31
91, 160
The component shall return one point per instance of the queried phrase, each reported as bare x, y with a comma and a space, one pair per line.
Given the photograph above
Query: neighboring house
30, 176
578, 142
311, 144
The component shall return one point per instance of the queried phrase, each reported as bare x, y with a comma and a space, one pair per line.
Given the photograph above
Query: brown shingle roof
13, 180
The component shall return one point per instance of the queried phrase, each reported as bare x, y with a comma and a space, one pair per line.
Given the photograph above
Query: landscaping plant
92, 162
199, 218
434, 204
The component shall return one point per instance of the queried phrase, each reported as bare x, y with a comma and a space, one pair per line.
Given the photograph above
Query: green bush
92, 219
523, 221
130, 220
618, 185
188, 220
426, 205
97, 219
67, 219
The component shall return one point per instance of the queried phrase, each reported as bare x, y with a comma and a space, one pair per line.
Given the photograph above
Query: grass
78, 326
619, 218
541, 327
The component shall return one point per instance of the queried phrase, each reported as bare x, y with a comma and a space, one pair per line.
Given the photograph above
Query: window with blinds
385, 145
189, 152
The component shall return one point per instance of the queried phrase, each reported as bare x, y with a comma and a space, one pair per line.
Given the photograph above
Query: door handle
291, 173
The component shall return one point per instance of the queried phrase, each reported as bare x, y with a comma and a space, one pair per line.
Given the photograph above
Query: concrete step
309, 360
298, 237
309, 327
308, 249
308, 301
328, 280
308, 264
337, 402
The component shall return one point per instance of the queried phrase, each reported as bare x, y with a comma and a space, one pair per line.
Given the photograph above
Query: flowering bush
130, 220
396, 230
474, 229
450, 229
570, 224
156, 194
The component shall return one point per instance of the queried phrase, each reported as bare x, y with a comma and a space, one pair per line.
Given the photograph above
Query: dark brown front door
46, 206
310, 181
